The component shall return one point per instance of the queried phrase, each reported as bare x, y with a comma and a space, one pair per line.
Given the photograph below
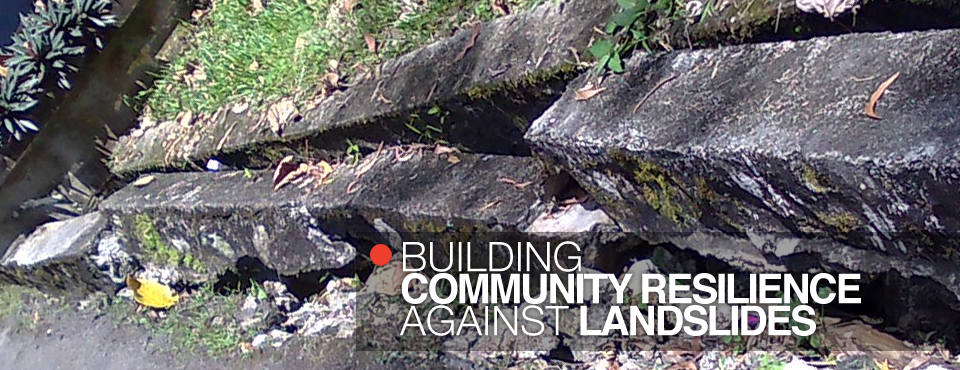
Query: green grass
285, 50
205, 322
20, 302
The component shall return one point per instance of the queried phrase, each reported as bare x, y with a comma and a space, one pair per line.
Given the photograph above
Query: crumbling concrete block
58, 257
204, 222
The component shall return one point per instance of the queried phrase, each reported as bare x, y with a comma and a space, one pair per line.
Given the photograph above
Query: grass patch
205, 322
239, 55
20, 302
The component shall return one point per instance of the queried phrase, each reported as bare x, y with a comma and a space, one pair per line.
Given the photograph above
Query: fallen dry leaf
470, 42
371, 43
869, 109
299, 171
453, 159
256, 7
3, 71
144, 181
279, 113
516, 184
325, 169
388, 279
197, 14
332, 79
885, 365
253, 66
185, 118
588, 91
284, 167
348, 6
239, 108
441, 149
151, 293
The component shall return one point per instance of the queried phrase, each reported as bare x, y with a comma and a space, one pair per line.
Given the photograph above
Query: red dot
380, 254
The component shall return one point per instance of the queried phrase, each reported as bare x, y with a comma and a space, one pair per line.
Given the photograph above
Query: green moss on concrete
157, 250
844, 222
535, 78
659, 191
814, 180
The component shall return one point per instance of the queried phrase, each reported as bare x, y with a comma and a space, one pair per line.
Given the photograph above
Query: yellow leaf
151, 293
883, 365
3, 71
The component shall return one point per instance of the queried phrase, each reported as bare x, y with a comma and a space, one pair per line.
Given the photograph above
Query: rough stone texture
217, 218
57, 256
760, 155
525, 49
66, 142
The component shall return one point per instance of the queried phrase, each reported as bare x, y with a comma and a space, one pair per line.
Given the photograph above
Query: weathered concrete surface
57, 257
211, 220
761, 154
492, 93
66, 142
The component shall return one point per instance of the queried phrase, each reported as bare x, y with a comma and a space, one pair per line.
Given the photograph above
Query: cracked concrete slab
771, 140
208, 220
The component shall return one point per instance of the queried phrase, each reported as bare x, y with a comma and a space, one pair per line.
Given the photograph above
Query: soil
76, 340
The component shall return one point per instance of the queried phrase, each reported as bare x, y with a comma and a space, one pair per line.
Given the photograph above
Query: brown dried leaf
516, 184
256, 7
3, 71
253, 66
323, 171
332, 79
453, 159
197, 14
279, 113
388, 279
869, 109
470, 42
348, 6
587, 92
284, 167
301, 170
441, 149
185, 118
371, 43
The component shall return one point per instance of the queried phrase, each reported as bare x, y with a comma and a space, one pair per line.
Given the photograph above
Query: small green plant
737, 343
770, 362
353, 151
247, 173
634, 25
426, 131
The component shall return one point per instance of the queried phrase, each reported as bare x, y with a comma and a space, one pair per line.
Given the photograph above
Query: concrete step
516, 67
761, 155
206, 221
